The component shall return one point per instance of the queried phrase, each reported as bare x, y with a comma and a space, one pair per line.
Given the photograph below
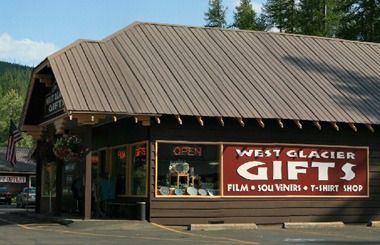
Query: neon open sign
187, 151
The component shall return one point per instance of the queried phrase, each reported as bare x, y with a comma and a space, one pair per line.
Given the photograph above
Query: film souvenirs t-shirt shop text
284, 170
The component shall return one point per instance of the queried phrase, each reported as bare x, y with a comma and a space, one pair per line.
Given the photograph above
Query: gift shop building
183, 125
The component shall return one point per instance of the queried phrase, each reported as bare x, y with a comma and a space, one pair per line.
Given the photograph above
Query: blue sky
30, 30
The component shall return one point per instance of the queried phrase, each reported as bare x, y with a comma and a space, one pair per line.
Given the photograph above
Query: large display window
186, 169
138, 173
119, 169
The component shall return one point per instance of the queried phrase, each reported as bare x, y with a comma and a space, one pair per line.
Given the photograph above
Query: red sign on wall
288, 170
12, 179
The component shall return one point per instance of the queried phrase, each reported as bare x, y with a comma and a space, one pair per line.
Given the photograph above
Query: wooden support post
87, 183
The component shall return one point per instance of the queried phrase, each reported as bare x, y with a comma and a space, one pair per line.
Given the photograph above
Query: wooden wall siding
183, 211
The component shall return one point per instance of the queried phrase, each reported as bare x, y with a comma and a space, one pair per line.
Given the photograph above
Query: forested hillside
14, 80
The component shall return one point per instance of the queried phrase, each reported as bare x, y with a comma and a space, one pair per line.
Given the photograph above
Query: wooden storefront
180, 126
186, 208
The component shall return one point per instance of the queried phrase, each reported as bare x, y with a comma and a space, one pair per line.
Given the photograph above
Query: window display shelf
179, 178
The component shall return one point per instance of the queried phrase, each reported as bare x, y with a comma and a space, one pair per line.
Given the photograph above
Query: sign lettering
12, 179
140, 152
121, 154
187, 151
53, 101
283, 170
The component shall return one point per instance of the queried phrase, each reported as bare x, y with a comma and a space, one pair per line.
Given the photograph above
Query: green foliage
68, 148
262, 23
14, 80
318, 17
346, 19
216, 14
245, 16
282, 14
360, 21
14, 77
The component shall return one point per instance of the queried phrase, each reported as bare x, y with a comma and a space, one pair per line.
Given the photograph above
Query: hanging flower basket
69, 148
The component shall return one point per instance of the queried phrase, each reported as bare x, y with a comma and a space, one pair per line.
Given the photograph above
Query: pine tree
318, 17
262, 23
245, 16
216, 14
361, 20
282, 14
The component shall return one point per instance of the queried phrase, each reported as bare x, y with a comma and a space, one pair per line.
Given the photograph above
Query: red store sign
12, 179
289, 170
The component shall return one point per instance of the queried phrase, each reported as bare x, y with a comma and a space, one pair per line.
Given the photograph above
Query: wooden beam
220, 119
35, 131
352, 125
45, 78
335, 126
145, 123
240, 120
199, 118
260, 121
86, 119
316, 123
298, 123
280, 123
60, 125
145, 120
179, 119
369, 126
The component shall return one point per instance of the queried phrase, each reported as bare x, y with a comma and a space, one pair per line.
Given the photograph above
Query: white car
27, 196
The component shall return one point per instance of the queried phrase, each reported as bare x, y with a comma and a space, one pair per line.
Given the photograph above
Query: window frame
219, 145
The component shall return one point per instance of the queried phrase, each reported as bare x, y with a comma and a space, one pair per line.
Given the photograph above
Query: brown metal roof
158, 69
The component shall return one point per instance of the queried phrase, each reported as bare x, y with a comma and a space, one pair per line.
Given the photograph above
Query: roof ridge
137, 23
74, 44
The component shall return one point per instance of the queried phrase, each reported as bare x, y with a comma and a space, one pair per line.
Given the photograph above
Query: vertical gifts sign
295, 170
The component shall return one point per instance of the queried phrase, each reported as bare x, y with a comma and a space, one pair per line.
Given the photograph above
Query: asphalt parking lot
293, 233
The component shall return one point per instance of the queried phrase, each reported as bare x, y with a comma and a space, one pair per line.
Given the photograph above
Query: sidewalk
141, 232
67, 219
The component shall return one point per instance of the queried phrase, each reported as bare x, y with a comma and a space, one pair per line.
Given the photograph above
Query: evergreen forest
344, 19
14, 80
